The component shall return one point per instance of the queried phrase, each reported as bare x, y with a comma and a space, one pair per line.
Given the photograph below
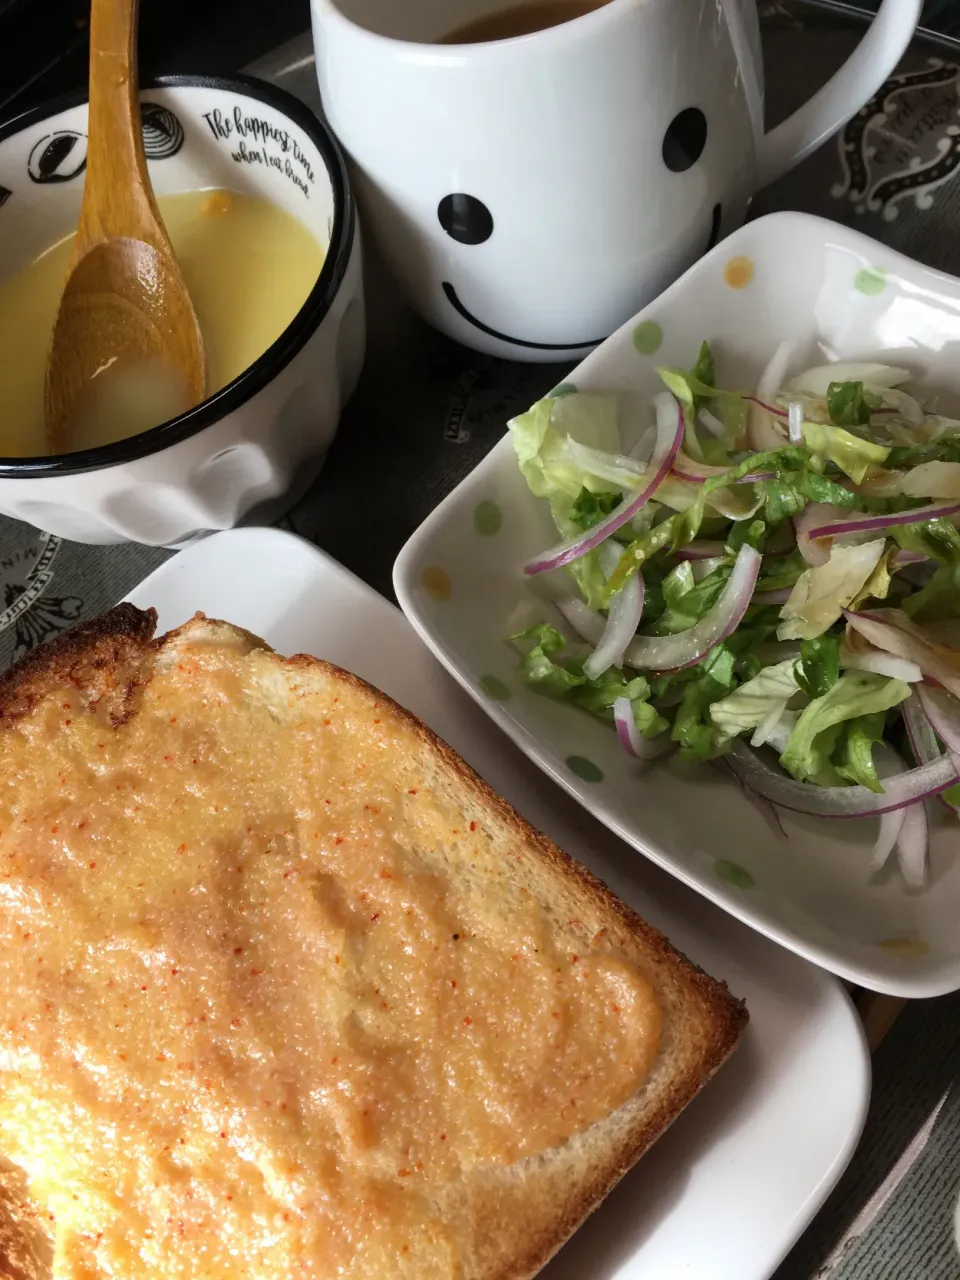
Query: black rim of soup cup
276, 357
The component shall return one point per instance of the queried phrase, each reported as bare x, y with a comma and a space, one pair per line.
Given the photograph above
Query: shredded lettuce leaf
779, 572
939, 599
755, 701
590, 508
855, 751
685, 608
539, 439
704, 371
852, 454
548, 668
850, 405
693, 729
938, 539
818, 667
856, 693
877, 586
822, 592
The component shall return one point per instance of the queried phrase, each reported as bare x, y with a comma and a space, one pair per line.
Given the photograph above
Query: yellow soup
249, 266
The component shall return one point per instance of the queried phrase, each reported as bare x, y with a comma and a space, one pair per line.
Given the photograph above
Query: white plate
727, 1191
792, 277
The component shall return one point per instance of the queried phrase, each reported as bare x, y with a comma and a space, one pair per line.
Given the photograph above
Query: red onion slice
588, 624
923, 741
702, 550
631, 739
774, 409
615, 468
943, 713
710, 422
815, 514
888, 765
780, 596
892, 631
673, 653
816, 381
623, 618
669, 439
903, 558
919, 727
795, 421
890, 825
763, 431
843, 802
703, 568
881, 664
684, 468
913, 847
863, 523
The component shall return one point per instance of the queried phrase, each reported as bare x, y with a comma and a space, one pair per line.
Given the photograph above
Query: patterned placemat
427, 411
891, 1216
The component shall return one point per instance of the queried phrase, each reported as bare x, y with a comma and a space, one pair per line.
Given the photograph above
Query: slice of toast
311, 995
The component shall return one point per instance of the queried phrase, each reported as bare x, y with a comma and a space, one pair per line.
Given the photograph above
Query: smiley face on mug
466, 219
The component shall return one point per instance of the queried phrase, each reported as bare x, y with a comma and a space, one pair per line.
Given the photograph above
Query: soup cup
248, 450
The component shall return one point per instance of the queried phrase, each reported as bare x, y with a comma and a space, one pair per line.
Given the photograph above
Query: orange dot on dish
436, 583
905, 948
738, 272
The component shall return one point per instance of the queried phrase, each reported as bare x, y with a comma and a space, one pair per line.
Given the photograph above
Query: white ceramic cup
531, 194
246, 451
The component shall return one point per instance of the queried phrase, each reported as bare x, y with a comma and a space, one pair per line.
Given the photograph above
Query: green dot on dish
734, 874
647, 337
495, 688
487, 518
584, 768
870, 280
564, 389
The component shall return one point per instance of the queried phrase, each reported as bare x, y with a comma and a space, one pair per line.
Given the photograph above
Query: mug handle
844, 93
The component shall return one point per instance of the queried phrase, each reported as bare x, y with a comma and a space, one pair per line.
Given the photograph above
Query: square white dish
838, 295
715, 1198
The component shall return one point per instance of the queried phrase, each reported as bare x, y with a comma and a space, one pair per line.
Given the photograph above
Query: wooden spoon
125, 302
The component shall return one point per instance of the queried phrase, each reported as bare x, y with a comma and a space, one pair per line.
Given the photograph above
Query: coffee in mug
519, 20
531, 194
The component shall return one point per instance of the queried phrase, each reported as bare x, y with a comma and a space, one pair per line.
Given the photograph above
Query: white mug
532, 193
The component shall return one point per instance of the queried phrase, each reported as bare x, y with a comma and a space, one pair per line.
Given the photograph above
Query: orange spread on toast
256, 1022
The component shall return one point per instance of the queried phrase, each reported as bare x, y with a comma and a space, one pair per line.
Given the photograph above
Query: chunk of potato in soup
249, 266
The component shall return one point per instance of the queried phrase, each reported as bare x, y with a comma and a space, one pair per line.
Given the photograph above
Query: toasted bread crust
110, 659
106, 659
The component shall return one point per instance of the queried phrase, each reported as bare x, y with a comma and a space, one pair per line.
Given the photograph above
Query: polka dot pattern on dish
495, 688
733, 873
870, 280
584, 768
487, 518
647, 337
738, 272
436, 583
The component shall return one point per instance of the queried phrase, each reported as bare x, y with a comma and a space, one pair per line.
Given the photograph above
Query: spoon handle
117, 192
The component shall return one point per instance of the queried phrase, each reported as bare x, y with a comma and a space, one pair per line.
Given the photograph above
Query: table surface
427, 410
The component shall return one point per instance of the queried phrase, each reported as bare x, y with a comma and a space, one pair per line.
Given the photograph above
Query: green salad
767, 578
